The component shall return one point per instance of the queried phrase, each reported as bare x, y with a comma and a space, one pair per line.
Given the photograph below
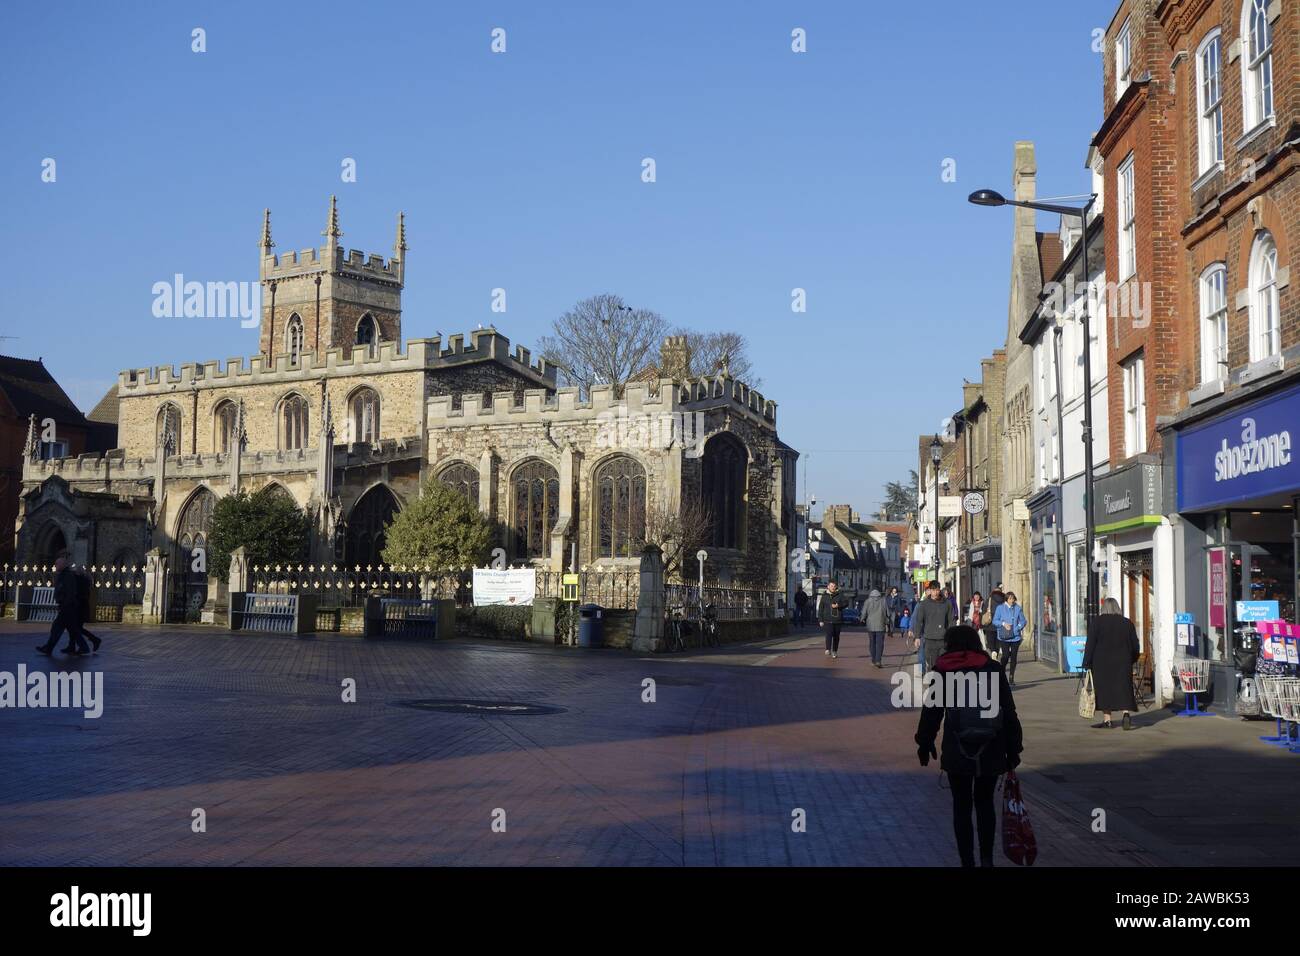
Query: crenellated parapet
708, 390
662, 396
418, 355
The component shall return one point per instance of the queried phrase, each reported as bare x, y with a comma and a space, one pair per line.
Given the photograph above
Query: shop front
1138, 563
984, 562
1238, 488
1042, 606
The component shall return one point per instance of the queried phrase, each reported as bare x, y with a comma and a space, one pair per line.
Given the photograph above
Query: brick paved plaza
252, 729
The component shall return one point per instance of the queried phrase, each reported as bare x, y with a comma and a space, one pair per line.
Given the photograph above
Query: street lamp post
936, 456
989, 197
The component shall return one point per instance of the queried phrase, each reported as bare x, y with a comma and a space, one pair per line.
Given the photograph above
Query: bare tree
679, 530
708, 350
603, 341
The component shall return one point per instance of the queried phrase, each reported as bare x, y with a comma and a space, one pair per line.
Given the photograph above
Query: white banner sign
950, 506
509, 586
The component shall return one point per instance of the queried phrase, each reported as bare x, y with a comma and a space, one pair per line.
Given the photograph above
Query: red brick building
1200, 143
1232, 476
28, 389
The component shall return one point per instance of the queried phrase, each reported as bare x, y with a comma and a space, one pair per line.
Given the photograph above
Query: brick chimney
837, 514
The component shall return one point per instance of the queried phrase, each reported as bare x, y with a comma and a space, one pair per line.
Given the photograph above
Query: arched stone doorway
190, 585
366, 526
52, 541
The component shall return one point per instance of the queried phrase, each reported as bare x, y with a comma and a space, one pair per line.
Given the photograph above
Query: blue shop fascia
1235, 481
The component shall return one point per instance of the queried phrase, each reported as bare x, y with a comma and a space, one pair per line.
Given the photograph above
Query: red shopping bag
1018, 841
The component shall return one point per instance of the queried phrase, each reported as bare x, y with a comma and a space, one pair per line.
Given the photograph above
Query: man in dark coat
1110, 653
83, 608
830, 615
800, 606
69, 615
930, 622
982, 739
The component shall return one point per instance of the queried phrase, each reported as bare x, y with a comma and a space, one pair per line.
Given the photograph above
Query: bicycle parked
678, 628
709, 627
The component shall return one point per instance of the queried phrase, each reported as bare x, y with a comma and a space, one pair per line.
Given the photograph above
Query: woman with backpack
1009, 624
982, 739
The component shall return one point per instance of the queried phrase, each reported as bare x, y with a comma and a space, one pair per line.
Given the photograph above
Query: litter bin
591, 625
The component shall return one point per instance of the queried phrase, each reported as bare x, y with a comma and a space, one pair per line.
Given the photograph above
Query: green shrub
441, 529
495, 620
268, 525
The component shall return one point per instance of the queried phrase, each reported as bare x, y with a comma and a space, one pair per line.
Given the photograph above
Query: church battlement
564, 403
640, 397
419, 354
709, 388
354, 262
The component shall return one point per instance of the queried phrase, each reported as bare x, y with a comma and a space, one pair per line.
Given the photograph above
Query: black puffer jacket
65, 593
1003, 752
830, 609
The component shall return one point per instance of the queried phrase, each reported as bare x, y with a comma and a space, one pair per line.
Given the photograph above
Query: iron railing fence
113, 587
336, 587
730, 604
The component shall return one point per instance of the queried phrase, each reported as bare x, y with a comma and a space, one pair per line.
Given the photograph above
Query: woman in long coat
1110, 653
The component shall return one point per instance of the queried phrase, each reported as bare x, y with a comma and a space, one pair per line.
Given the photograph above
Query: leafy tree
441, 529
267, 524
900, 497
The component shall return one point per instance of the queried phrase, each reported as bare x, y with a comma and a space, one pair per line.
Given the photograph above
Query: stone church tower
325, 298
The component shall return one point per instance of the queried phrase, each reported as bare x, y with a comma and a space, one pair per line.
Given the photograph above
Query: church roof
32, 390
106, 410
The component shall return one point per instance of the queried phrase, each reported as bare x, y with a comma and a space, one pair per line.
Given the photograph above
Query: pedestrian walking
930, 622
974, 611
68, 617
1110, 653
800, 607
980, 741
1009, 624
875, 615
83, 607
997, 597
894, 603
830, 615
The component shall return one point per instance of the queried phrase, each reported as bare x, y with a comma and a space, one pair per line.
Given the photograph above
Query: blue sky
521, 170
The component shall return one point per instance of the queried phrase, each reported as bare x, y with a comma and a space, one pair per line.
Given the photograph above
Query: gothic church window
620, 486
363, 413
293, 338
293, 423
368, 335
724, 467
535, 491
169, 421
224, 427
367, 527
463, 478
